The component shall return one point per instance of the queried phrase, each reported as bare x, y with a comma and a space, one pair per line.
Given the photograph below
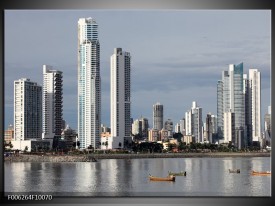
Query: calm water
119, 177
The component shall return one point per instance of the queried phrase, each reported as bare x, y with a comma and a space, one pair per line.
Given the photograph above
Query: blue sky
177, 55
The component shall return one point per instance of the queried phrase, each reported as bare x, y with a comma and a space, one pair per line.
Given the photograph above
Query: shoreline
92, 157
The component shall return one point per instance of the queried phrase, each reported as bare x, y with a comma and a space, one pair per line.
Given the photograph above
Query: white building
52, 98
188, 122
32, 145
120, 98
89, 84
177, 128
137, 127
229, 127
194, 124
255, 107
27, 110
182, 126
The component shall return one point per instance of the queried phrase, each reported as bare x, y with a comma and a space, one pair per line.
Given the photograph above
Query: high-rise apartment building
158, 116
144, 127
177, 128
193, 121
210, 128
229, 127
52, 103
168, 125
247, 116
182, 126
27, 110
137, 127
120, 98
140, 126
267, 124
255, 103
89, 83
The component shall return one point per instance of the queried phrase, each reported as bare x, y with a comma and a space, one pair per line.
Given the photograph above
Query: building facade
9, 134
153, 135
229, 127
255, 103
231, 98
52, 103
27, 110
194, 124
89, 83
168, 125
158, 116
120, 98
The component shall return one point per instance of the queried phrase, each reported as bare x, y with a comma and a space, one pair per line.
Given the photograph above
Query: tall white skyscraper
52, 98
193, 122
255, 105
89, 83
27, 110
120, 98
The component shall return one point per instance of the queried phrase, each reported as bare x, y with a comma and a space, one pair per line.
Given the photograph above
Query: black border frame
129, 4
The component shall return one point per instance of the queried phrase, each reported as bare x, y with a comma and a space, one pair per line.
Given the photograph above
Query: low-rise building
188, 139
32, 145
9, 134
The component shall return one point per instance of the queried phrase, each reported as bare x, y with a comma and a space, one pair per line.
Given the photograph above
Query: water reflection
115, 177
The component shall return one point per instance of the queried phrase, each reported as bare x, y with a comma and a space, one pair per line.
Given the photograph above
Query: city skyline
188, 73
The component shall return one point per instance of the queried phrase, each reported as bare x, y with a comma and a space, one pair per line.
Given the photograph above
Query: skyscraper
120, 98
27, 110
210, 128
194, 122
168, 125
230, 98
89, 83
52, 103
144, 126
267, 124
236, 93
158, 116
255, 106
229, 127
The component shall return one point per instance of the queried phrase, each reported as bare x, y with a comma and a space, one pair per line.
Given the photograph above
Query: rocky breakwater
95, 157
49, 158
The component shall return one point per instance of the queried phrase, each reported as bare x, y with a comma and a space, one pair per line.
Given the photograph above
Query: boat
263, 173
234, 170
182, 173
168, 178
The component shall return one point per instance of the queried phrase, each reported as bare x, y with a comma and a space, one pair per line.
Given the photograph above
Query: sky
177, 55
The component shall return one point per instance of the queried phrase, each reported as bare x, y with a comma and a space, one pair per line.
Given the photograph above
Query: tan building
188, 139
164, 134
9, 134
153, 135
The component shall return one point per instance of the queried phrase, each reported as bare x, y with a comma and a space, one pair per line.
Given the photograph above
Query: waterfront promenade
91, 157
